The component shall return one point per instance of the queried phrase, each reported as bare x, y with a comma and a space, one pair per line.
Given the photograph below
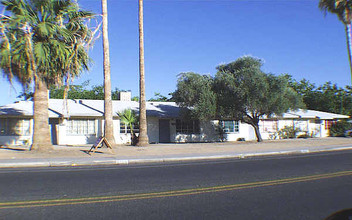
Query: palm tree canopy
128, 117
43, 38
342, 8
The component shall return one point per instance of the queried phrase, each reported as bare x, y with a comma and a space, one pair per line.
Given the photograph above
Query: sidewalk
76, 155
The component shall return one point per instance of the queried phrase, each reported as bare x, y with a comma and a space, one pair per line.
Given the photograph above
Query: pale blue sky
292, 36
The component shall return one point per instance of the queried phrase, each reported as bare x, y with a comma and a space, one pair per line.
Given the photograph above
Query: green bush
305, 135
288, 132
339, 128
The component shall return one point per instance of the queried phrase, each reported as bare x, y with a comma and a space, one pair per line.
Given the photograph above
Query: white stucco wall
207, 133
324, 132
312, 127
70, 139
16, 140
244, 132
153, 132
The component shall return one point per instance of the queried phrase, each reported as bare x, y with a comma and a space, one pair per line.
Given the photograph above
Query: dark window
230, 126
14, 126
328, 124
187, 126
124, 129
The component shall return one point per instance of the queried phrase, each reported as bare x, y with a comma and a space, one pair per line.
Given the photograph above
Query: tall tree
343, 10
108, 124
43, 42
327, 97
143, 134
195, 92
80, 92
246, 93
239, 91
159, 98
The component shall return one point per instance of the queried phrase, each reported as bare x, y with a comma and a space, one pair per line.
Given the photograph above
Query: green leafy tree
246, 93
307, 90
195, 91
43, 42
26, 95
240, 91
346, 101
82, 92
159, 98
327, 97
339, 129
343, 10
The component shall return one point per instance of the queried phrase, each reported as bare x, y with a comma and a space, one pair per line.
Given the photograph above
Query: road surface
310, 186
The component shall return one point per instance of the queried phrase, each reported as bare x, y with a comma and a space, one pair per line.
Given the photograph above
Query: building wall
153, 132
245, 132
18, 139
311, 127
153, 129
208, 132
71, 139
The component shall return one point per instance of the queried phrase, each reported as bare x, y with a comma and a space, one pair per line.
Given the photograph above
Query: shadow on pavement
14, 148
341, 215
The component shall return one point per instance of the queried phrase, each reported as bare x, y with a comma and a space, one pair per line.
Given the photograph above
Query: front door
164, 131
53, 122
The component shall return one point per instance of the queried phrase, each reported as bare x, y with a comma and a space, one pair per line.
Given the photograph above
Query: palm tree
43, 42
129, 118
343, 9
143, 134
108, 124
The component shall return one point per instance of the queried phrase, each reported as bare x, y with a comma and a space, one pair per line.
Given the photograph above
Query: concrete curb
71, 162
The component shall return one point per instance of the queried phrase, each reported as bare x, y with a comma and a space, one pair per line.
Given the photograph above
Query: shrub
288, 132
304, 135
221, 132
339, 128
273, 136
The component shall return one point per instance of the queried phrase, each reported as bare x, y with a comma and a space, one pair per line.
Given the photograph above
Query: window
124, 129
301, 125
81, 127
268, 126
315, 121
328, 124
14, 126
187, 127
230, 126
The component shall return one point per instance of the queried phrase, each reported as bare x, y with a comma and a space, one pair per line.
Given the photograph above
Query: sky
291, 36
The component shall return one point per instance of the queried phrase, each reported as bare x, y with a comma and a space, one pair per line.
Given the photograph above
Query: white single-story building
79, 122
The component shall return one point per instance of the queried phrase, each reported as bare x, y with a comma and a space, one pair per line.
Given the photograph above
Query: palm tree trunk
348, 39
143, 134
108, 125
41, 131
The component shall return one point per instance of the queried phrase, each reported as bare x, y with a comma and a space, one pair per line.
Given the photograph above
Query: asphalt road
310, 186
